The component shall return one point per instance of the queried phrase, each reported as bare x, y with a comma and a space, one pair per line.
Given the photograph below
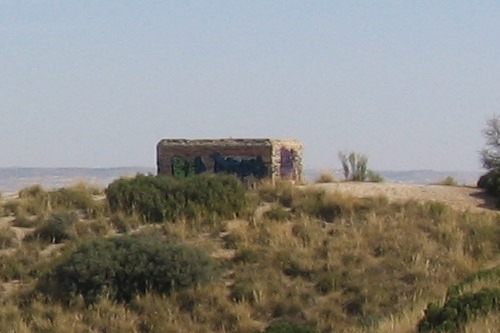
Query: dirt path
458, 197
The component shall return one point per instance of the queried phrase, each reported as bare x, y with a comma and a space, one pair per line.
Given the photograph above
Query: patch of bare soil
462, 198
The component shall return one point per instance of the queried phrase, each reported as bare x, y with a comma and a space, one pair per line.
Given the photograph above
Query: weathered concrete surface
259, 158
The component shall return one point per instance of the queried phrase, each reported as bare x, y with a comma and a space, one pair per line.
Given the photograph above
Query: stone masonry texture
247, 158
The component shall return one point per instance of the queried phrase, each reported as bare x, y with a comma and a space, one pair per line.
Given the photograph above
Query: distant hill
14, 179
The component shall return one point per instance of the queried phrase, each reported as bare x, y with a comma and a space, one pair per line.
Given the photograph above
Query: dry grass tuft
327, 177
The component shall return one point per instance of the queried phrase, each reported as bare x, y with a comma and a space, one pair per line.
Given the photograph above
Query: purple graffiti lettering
287, 163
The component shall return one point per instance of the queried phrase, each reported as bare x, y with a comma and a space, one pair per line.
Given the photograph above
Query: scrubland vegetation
204, 254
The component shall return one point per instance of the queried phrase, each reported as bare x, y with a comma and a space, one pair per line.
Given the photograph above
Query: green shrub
491, 183
286, 195
327, 206
126, 266
147, 196
326, 177
492, 274
288, 327
37, 201
34, 191
325, 282
231, 240
8, 238
278, 214
354, 166
266, 192
13, 269
373, 177
459, 310
58, 227
302, 232
296, 269
247, 255
88, 229
19, 265
11, 207
460, 307
287, 308
23, 221
78, 197
448, 181
159, 198
124, 223
243, 291
318, 204
34, 200
281, 191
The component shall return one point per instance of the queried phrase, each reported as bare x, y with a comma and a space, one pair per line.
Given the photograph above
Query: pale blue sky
99, 83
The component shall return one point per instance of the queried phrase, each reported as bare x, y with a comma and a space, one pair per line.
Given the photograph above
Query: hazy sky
99, 83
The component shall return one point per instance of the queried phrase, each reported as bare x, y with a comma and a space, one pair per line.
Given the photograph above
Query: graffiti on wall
199, 166
288, 158
183, 168
242, 167
180, 167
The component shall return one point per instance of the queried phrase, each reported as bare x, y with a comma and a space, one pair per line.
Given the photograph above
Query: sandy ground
458, 197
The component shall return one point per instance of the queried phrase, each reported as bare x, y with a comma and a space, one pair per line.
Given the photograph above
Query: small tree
354, 165
355, 168
490, 155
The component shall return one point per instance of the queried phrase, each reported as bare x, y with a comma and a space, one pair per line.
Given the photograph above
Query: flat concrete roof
227, 142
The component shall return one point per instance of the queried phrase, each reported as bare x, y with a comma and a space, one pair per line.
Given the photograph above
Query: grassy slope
373, 267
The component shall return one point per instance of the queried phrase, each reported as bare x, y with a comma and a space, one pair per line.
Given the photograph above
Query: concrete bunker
256, 158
